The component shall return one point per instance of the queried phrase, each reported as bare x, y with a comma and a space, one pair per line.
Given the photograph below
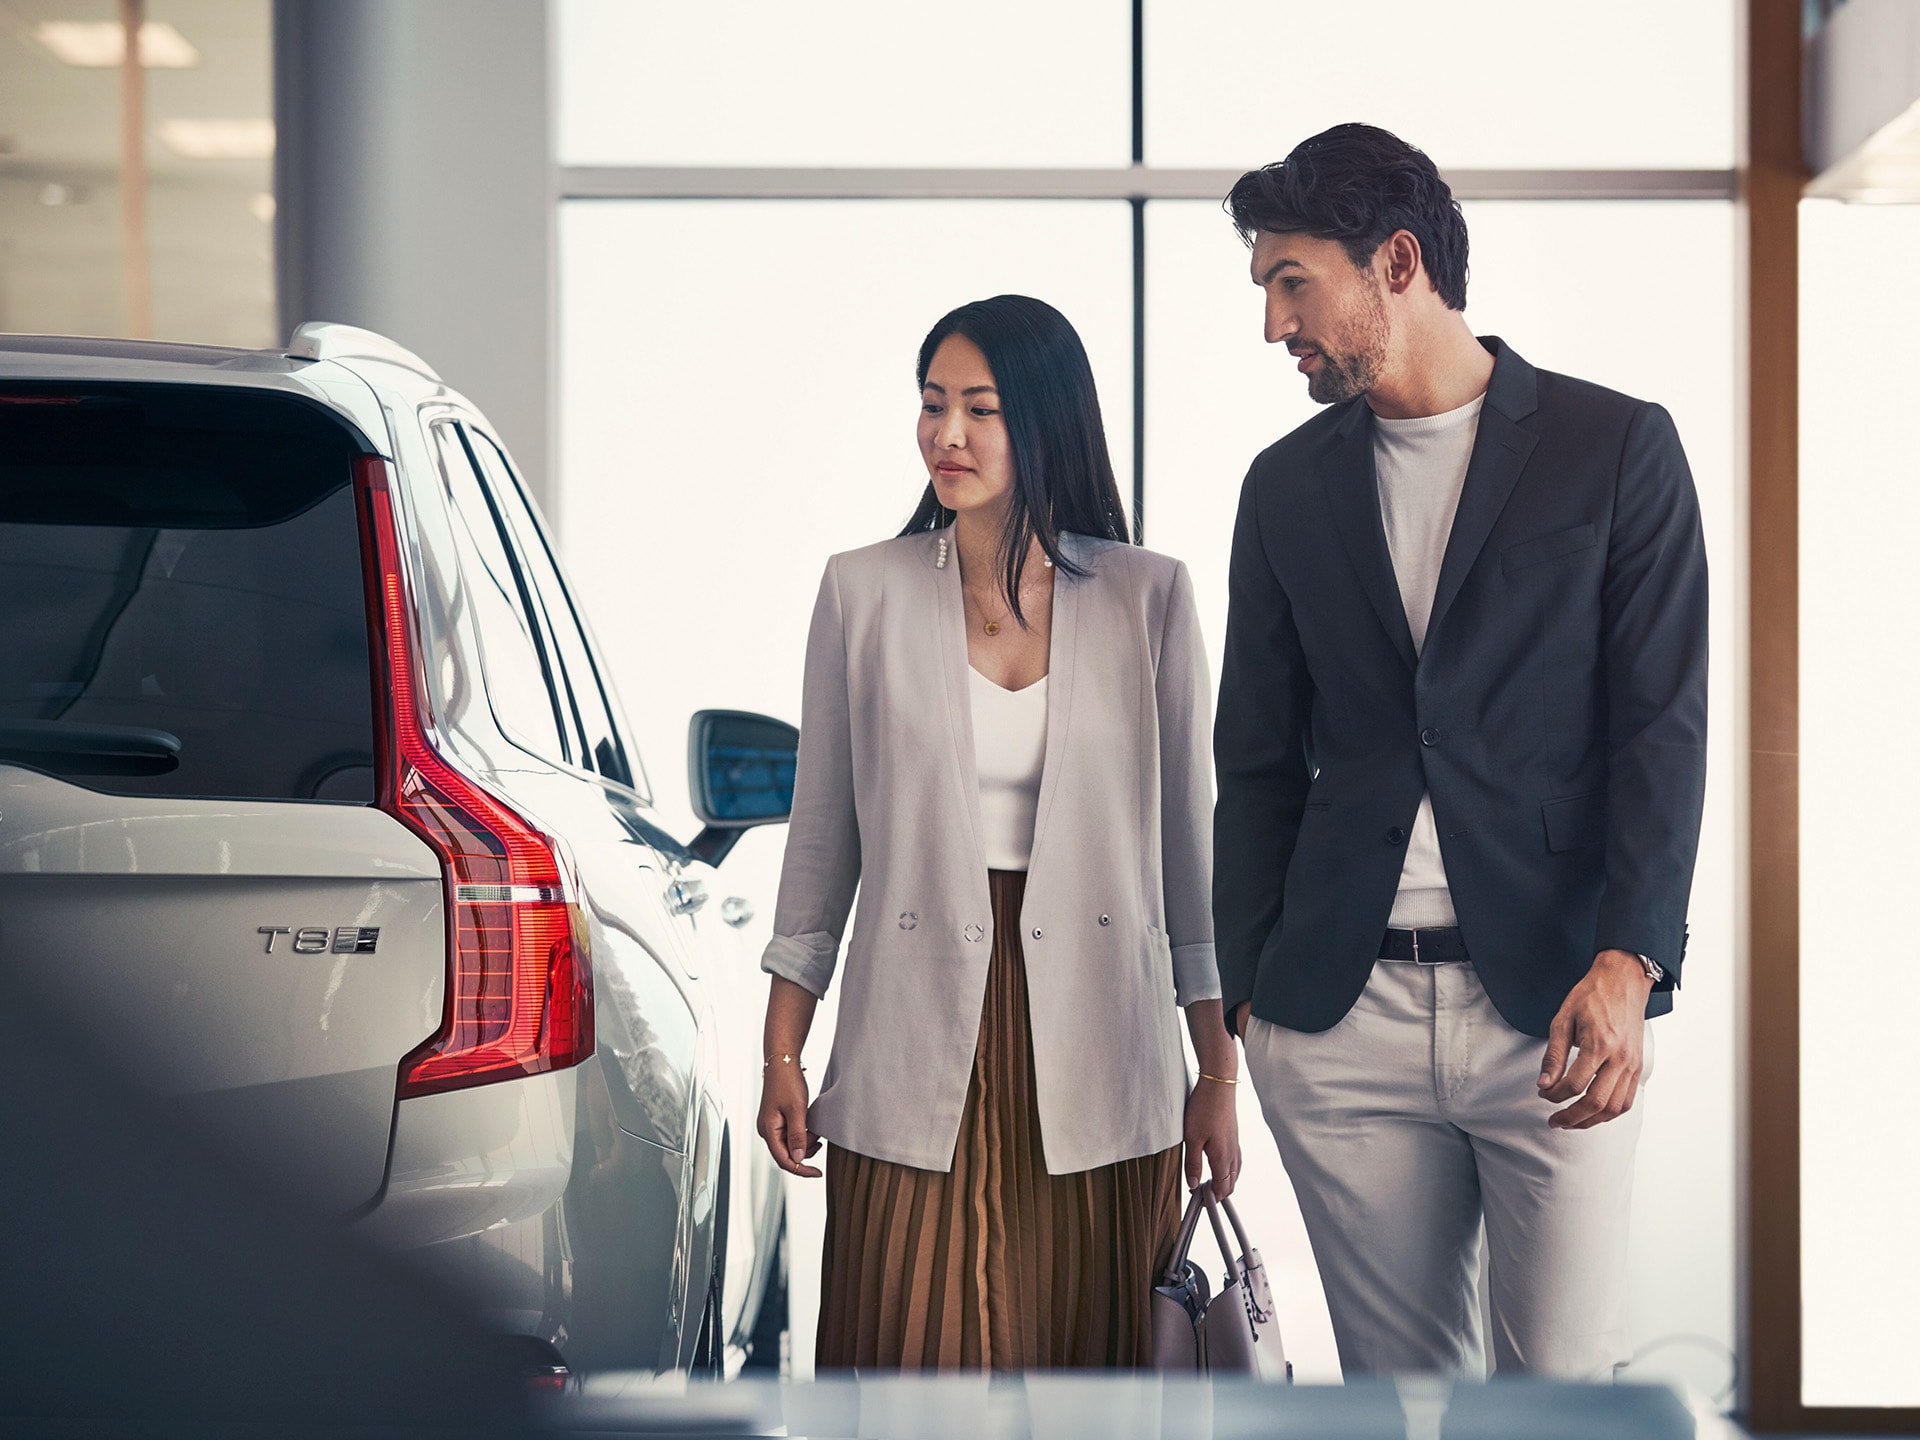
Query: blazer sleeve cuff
806, 960
1196, 974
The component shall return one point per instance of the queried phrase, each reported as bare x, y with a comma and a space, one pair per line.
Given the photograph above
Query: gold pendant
993, 627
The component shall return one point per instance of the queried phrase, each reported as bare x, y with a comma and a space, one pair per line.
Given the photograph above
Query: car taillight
519, 978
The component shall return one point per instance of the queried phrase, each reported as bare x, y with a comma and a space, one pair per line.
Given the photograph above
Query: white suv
318, 809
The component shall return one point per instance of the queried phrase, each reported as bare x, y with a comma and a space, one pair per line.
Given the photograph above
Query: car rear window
180, 577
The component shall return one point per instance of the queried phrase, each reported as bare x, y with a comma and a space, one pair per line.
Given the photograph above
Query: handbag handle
1201, 1199
1239, 1230
1189, 1223
1219, 1230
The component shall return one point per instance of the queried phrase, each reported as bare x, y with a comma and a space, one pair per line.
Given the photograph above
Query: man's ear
1400, 261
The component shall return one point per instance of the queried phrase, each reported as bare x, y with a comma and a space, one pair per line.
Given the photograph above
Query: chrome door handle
737, 911
686, 896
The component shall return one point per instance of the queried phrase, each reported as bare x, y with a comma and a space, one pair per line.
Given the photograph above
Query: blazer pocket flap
1577, 821
1548, 547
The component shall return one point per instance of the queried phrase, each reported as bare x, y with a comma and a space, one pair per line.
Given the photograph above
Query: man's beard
1355, 372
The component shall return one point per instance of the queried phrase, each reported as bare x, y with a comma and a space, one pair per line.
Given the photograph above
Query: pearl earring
941, 562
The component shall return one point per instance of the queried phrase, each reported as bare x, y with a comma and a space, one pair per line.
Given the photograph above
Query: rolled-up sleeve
822, 865
1183, 693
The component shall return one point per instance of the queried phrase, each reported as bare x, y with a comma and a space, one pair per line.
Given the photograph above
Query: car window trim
535, 618
536, 598
615, 719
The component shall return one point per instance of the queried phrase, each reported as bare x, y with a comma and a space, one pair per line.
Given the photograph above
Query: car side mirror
739, 775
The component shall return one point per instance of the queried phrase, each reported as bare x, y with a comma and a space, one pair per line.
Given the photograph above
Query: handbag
1232, 1333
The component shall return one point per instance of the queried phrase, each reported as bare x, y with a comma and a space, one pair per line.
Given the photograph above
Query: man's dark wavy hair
1358, 184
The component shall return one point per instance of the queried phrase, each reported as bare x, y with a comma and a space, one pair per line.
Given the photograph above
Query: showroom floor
1125, 1407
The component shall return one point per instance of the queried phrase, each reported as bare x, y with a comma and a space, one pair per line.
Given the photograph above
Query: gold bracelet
783, 1059
1219, 1079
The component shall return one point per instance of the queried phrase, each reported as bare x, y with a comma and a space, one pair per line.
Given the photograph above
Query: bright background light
852, 82
1859, 792
737, 398
1516, 84
1217, 395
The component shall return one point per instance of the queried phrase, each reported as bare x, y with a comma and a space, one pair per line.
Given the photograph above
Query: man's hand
1605, 1020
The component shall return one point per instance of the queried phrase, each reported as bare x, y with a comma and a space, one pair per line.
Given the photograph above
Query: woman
1004, 746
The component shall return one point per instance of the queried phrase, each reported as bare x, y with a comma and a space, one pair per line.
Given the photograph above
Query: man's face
1327, 311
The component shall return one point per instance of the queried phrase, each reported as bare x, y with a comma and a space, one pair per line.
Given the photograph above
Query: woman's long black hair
1062, 476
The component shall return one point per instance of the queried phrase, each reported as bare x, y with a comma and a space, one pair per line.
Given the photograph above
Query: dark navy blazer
1557, 713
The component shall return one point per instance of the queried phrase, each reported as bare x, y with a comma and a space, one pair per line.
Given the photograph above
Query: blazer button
1036, 932
1106, 919
1396, 836
973, 932
1429, 736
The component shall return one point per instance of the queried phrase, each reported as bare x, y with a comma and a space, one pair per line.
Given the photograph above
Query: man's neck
1442, 368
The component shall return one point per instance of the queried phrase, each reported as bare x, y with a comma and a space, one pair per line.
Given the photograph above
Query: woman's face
963, 436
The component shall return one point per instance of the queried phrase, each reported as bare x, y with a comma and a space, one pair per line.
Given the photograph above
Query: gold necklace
992, 627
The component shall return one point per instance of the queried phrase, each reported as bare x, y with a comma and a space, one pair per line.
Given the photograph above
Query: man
1461, 753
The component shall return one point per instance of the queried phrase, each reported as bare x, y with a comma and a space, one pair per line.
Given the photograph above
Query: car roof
157, 352
336, 384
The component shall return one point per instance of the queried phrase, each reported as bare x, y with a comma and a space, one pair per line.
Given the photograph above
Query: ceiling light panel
100, 44
218, 139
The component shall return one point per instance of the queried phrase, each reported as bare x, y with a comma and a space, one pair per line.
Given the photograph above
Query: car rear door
728, 988
632, 1237
192, 869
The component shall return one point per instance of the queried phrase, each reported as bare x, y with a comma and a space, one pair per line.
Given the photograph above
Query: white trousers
1404, 1128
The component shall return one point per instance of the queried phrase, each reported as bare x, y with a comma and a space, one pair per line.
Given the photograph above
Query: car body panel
468, 1161
585, 1206
144, 917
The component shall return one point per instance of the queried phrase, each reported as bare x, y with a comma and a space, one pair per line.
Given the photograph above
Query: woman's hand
1213, 1130
783, 1119
1213, 1125
783, 1084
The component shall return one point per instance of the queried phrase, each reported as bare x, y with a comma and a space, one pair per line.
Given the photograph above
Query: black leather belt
1424, 947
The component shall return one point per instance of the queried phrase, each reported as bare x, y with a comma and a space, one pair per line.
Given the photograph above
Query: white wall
1859, 794
738, 403
1549, 277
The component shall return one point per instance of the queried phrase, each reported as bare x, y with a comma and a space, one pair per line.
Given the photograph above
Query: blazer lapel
1353, 495
1500, 451
1062, 650
951, 623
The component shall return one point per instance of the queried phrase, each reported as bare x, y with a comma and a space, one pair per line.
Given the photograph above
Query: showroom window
750, 254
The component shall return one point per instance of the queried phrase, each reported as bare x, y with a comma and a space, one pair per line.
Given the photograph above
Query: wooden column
1772, 193
133, 174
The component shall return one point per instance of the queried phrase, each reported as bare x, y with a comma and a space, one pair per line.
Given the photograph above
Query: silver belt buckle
1416, 947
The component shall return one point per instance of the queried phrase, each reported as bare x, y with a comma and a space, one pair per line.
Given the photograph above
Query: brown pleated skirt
995, 1263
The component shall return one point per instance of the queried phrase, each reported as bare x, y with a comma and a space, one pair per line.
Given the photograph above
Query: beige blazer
1117, 923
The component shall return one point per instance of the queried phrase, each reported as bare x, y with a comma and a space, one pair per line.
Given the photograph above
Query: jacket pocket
1548, 547
1577, 821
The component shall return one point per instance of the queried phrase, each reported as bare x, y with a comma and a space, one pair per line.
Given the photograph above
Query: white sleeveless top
1009, 749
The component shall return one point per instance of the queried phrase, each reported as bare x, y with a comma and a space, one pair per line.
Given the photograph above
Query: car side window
513, 652
605, 750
